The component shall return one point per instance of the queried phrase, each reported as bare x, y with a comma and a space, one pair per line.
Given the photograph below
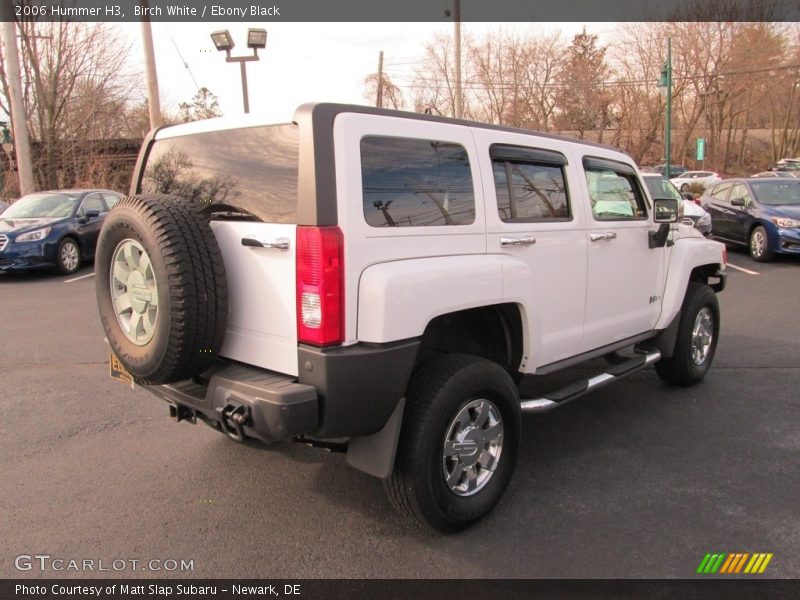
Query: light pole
666, 82
256, 38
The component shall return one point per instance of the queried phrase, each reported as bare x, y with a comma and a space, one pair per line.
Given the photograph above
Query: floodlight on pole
223, 41
256, 39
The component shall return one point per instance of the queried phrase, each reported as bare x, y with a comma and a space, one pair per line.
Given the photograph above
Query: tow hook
233, 418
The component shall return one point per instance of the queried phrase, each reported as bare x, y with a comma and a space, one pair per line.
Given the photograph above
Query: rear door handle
609, 235
252, 241
520, 241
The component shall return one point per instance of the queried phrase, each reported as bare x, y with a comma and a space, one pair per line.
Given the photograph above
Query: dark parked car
763, 214
53, 229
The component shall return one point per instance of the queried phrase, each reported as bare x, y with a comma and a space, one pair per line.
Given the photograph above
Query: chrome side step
579, 388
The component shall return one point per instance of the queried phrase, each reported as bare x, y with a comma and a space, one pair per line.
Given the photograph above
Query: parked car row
53, 229
759, 213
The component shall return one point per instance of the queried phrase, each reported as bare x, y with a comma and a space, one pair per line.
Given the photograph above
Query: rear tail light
724, 255
320, 286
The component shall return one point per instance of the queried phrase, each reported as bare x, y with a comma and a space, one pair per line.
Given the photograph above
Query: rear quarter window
252, 169
410, 182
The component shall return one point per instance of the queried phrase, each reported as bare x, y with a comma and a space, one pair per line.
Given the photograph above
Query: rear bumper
244, 402
346, 391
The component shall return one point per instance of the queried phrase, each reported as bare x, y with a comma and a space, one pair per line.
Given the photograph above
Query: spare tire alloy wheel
134, 291
161, 288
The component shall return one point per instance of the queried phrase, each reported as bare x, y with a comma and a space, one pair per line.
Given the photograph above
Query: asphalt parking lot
636, 480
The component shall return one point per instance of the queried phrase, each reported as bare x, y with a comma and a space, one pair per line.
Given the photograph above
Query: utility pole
666, 82
379, 94
153, 101
22, 145
459, 100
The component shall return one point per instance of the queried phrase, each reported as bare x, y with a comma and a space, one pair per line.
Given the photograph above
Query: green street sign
701, 148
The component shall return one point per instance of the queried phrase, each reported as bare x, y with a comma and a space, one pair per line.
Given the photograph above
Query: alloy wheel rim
69, 256
472, 447
134, 292
702, 335
758, 243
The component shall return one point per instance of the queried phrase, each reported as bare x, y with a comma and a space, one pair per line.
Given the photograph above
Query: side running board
579, 388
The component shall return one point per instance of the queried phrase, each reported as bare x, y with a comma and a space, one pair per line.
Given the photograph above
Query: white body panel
552, 286
398, 299
262, 316
688, 253
366, 245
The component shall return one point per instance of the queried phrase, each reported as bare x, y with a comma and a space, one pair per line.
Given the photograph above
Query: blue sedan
762, 214
53, 229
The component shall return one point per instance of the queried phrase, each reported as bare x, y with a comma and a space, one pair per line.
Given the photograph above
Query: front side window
409, 182
614, 191
530, 186
740, 191
92, 202
721, 192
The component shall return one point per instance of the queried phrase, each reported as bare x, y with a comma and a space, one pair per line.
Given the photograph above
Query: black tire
191, 288
758, 245
681, 368
439, 392
62, 264
684, 187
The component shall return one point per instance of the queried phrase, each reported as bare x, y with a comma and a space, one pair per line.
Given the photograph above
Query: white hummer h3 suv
382, 282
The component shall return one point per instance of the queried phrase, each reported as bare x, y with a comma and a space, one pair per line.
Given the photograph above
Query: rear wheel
458, 443
685, 187
696, 343
759, 245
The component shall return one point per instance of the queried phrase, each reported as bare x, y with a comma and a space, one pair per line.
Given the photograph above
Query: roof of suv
327, 110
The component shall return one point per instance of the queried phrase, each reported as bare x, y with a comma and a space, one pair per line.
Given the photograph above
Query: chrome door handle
596, 237
252, 241
520, 241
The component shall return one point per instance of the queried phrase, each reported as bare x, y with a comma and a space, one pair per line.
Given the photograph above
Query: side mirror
666, 210
737, 202
92, 213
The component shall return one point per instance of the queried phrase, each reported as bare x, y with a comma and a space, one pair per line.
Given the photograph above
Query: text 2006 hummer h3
387, 280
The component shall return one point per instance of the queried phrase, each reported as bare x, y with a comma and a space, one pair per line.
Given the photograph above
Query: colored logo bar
736, 562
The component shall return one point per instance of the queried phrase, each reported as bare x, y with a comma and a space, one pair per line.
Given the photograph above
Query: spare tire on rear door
161, 288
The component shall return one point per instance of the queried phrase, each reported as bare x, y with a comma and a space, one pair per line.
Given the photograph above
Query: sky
303, 62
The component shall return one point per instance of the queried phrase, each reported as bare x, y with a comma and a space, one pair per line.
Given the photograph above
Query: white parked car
381, 282
686, 179
660, 187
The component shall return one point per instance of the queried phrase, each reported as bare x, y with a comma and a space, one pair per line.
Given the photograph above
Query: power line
183, 60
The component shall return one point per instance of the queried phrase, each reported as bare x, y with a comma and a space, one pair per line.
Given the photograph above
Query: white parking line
78, 278
742, 269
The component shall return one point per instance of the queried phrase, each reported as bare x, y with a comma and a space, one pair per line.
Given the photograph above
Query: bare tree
76, 85
392, 94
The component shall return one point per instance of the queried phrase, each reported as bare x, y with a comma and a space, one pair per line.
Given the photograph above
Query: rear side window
252, 170
409, 182
530, 185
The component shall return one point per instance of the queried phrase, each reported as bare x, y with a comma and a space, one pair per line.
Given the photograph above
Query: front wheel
458, 443
68, 256
696, 343
759, 245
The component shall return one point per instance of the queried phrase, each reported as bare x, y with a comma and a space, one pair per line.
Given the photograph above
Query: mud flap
374, 454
